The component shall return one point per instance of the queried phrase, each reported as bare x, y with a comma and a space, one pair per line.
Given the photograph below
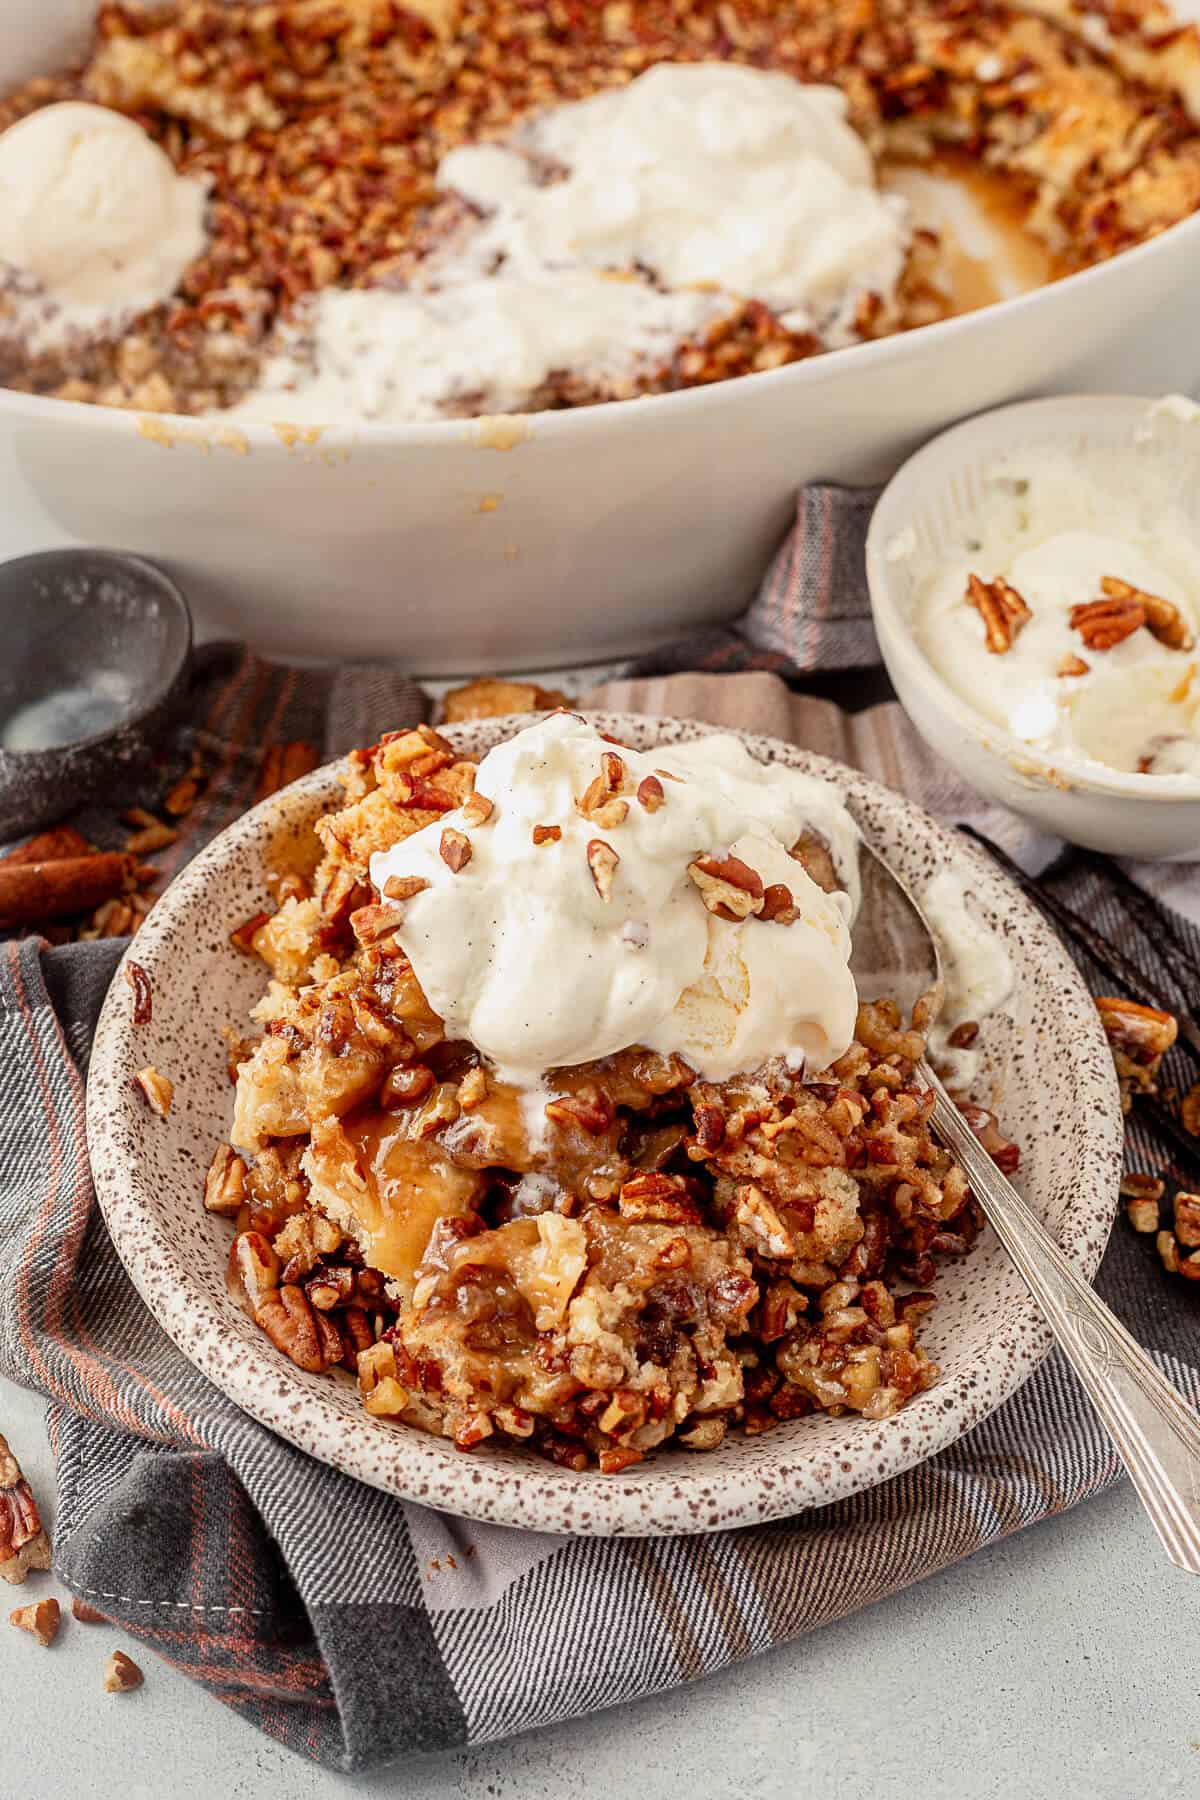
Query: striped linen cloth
350, 1626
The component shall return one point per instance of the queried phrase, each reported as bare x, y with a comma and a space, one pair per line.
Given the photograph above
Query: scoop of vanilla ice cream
93, 211
522, 953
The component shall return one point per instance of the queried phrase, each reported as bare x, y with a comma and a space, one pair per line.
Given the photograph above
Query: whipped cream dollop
1055, 525
612, 229
96, 226
540, 964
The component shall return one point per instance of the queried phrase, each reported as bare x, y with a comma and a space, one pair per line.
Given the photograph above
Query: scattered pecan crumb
964, 1035
143, 997
157, 1089
1187, 1220
1143, 1215
547, 834
477, 809
41, 1619
779, 905
121, 1674
182, 797
1168, 1251
651, 793
1073, 665
85, 1614
1002, 609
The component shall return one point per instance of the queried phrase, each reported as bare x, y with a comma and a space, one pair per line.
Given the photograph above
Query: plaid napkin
348, 1625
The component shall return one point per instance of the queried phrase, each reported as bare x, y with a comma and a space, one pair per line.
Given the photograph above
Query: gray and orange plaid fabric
348, 1625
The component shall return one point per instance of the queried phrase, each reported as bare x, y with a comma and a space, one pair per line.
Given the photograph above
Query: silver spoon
1152, 1426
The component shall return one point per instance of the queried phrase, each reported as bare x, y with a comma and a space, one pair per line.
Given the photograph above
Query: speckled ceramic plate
986, 1333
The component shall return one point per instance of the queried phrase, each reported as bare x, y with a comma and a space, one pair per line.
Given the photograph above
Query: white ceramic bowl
1070, 796
986, 1333
605, 530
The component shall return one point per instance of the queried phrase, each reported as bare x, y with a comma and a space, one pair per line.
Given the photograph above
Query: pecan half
602, 860
1163, 619
1102, 624
1002, 609
291, 1324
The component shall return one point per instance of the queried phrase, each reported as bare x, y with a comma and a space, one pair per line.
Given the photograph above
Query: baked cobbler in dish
564, 1124
312, 211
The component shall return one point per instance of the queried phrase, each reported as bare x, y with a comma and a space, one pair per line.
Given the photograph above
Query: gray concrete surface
1060, 1665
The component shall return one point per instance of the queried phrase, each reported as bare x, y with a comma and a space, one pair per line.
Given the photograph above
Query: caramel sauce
411, 1184
988, 252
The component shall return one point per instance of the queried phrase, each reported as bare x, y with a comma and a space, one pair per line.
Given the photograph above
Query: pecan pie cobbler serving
348, 210
565, 1125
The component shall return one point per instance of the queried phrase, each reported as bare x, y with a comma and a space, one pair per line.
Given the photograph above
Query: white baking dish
562, 536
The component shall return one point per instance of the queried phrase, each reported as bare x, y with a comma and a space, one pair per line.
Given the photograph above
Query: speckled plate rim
803, 1464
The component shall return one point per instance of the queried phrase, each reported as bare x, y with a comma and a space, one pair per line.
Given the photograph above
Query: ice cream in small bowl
1035, 580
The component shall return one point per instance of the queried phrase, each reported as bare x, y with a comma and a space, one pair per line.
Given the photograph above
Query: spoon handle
1156, 1432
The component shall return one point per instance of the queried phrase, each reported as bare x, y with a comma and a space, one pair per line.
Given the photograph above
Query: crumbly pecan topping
1002, 609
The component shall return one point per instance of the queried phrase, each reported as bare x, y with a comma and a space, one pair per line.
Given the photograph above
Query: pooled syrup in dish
987, 253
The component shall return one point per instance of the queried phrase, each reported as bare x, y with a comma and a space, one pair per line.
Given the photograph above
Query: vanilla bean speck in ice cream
96, 227
543, 954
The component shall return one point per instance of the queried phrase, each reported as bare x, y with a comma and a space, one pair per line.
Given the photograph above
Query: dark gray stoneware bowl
94, 651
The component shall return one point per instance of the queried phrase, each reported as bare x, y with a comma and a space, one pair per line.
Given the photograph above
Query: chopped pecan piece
663, 1198
1162, 618
454, 849
157, 1090
1189, 1110
403, 887
1168, 1251
1002, 609
1070, 666
225, 1184
255, 1265
728, 887
23, 1542
372, 924
41, 1620
1143, 1215
651, 794
121, 1674
477, 809
406, 1086
547, 834
1140, 1037
1187, 1220
779, 907
85, 1614
602, 860
143, 998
